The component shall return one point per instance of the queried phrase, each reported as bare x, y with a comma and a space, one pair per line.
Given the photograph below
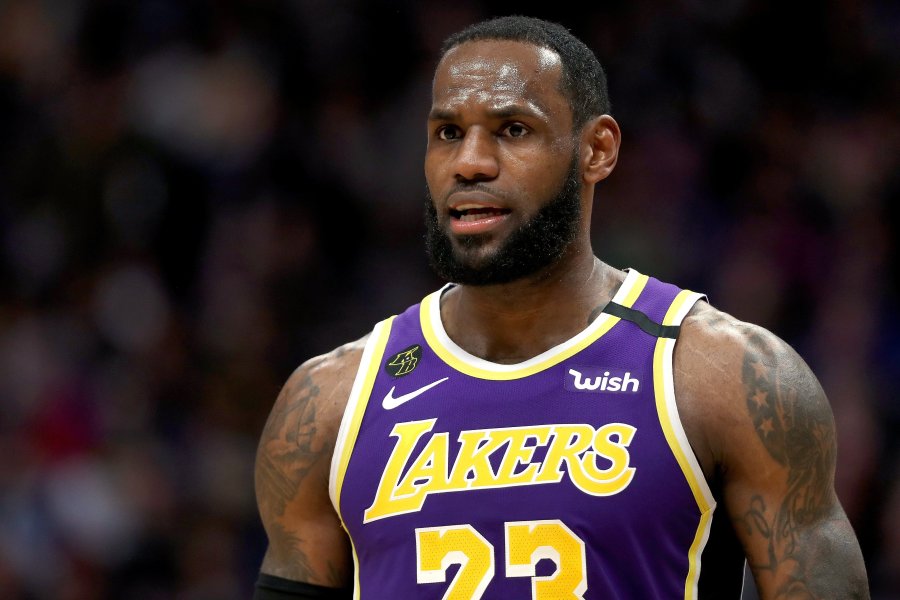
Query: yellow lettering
579, 446
474, 459
519, 454
386, 504
605, 482
429, 471
569, 441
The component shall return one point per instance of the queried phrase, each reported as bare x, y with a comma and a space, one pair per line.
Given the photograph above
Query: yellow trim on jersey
356, 591
664, 389
475, 367
699, 543
356, 407
662, 362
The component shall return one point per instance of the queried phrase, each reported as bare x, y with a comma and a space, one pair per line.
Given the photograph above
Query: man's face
538, 242
501, 163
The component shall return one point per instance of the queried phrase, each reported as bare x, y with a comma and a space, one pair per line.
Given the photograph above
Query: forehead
497, 72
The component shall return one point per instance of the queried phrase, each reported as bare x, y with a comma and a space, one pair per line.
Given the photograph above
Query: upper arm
306, 540
771, 440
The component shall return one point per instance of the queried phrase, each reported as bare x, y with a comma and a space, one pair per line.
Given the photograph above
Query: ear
601, 138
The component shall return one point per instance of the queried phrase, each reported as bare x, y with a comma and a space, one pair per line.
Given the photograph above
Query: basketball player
547, 426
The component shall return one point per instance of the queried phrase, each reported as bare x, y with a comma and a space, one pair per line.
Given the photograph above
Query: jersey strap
461, 360
642, 320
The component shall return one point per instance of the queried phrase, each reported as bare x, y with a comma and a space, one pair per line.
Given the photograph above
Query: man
533, 430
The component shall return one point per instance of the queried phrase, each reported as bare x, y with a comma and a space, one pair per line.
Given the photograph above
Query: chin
475, 251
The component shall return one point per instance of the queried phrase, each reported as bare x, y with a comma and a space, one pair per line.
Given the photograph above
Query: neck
513, 322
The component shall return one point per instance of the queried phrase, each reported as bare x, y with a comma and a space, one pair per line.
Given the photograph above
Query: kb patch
404, 361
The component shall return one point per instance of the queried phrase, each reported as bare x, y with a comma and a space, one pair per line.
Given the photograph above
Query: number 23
527, 542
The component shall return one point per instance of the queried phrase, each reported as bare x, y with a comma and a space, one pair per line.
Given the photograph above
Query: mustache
475, 186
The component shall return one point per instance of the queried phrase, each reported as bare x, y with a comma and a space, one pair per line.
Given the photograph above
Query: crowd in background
197, 196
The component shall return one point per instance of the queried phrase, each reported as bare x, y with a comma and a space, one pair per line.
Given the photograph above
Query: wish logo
594, 379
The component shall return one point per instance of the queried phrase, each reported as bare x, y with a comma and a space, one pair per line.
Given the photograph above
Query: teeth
479, 214
475, 212
465, 207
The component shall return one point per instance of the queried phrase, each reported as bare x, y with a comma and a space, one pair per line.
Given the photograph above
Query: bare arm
800, 543
772, 442
306, 540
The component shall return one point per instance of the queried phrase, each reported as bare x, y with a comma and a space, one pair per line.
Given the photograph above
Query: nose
476, 158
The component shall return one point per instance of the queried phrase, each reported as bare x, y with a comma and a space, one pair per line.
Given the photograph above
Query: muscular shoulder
324, 383
761, 425
311, 403
717, 353
293, 461
742, 388
298, 439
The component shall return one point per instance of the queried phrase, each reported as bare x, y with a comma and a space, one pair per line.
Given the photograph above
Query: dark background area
197, 196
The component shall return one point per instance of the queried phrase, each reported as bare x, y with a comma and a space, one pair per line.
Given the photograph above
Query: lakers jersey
565, 476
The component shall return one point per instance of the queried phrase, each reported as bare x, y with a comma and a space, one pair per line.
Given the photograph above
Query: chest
587, 432
572, 461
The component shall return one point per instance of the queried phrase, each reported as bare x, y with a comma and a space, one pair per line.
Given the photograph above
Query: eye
515, 130
448, 132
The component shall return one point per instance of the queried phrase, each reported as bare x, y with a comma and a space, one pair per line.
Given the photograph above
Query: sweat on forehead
496, 66
582, 79
502, 57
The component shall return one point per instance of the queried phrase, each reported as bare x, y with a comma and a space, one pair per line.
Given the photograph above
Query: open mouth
469, 213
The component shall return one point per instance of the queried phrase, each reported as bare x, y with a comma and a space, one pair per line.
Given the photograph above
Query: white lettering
587, 384
627, 381
622, 382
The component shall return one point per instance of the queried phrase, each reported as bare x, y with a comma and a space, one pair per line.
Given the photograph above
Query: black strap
643, 321
271, 587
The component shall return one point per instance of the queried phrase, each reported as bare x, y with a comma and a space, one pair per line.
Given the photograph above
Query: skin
500, 132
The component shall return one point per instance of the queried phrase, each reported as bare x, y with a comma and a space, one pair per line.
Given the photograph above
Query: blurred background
197, 196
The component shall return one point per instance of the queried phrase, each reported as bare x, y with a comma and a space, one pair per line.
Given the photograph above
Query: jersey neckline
461, 360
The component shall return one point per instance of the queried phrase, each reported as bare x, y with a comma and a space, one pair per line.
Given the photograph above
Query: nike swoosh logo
390, 401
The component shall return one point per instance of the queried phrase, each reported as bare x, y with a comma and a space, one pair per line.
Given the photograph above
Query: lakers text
497, 458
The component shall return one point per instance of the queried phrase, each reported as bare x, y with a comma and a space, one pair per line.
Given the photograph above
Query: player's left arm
771, 438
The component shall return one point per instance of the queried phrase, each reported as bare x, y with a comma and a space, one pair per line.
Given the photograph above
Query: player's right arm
306, 541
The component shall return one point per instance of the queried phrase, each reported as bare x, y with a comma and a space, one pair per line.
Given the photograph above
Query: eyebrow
503, 112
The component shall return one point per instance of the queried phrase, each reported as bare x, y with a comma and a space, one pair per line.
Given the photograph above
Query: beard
537, 243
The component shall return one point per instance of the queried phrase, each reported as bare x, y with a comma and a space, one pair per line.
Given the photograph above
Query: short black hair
583, 80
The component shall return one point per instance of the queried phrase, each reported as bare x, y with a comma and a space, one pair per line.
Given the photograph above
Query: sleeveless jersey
567, 476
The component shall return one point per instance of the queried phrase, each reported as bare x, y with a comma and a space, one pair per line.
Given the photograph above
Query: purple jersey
566, 476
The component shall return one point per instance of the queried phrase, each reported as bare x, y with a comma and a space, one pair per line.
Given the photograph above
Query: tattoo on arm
291, 550
288, 448
291, 553
797, 431
793, 421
